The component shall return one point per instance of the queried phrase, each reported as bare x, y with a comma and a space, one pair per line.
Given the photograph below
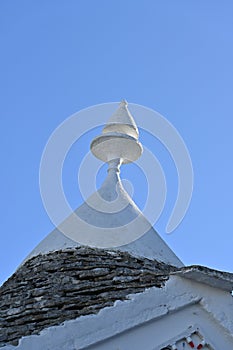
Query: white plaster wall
151, 335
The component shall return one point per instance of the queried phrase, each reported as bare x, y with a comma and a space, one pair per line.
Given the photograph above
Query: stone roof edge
132, 311
214, 278
199, 273
136, 310
108, 251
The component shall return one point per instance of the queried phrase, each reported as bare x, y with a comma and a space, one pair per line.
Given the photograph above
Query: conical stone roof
63, 279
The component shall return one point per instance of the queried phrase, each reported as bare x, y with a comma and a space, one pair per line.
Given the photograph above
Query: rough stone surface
63, 285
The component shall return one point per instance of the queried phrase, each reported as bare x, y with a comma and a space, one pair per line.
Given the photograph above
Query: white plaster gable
148, 320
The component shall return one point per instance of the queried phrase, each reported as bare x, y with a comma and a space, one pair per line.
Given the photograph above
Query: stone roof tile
63, 285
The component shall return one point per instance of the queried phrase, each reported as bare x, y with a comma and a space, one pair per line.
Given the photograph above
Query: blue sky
58, 57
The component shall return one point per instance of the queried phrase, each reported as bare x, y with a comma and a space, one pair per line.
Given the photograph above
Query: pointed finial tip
124, 103
119, 138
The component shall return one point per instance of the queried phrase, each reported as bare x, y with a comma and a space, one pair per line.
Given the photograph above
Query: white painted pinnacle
122, 121
109, 218
119, 138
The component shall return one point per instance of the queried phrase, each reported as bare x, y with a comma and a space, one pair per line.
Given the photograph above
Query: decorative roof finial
124, 103
119, 138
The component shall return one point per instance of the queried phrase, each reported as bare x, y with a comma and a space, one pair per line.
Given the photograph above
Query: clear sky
58, 57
